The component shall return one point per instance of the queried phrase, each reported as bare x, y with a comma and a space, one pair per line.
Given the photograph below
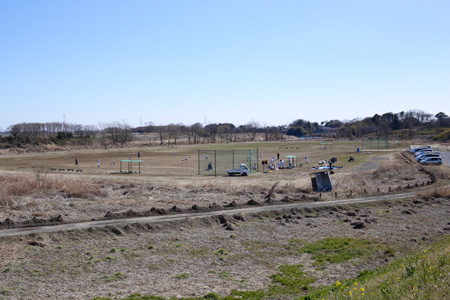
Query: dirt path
168, 218
373, 164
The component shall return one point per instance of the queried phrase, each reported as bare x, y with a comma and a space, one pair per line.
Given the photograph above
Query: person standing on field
76, 161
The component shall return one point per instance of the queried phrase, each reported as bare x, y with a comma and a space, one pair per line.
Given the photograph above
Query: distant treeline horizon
402, 125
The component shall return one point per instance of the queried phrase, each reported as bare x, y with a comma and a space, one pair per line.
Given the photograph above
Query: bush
442, 137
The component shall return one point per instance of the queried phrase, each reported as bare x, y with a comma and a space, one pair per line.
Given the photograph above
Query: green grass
443, 136
198, 252
153, 267
339, 250
222, 253
421, 275
182, 276
291, 281
115, 277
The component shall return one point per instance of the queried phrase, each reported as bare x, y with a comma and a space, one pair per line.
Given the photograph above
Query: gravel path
445, 155
371, 165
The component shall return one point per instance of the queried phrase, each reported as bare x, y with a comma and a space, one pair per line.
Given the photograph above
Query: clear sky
272, 62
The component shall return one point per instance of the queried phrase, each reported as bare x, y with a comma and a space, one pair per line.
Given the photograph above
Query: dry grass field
194, 257
31, 189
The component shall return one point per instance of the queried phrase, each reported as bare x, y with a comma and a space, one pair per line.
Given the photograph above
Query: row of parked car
425, 155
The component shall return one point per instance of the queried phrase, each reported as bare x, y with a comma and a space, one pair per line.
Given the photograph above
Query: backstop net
217, 162
375, 143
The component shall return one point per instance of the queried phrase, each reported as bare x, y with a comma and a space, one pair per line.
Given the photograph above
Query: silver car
423, 151
414, 150
431, 161
425, 155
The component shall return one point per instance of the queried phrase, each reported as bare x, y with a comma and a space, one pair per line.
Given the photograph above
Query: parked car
422, 151
243, 170
420, 158
429, 154
414, 150
431, 161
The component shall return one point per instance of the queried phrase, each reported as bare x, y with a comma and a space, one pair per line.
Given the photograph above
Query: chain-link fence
217, 162
375, 143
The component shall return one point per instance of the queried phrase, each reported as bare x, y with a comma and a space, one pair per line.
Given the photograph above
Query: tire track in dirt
169, 218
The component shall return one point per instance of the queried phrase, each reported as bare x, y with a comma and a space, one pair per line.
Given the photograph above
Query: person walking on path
76, 161
98, 163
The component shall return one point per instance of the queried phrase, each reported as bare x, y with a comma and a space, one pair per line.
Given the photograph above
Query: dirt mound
232, 204
214, 206
159, 211
252, 202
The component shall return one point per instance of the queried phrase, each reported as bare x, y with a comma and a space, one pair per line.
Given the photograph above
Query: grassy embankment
420, 275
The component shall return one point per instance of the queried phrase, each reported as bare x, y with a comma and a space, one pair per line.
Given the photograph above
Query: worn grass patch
291, 281
339, 250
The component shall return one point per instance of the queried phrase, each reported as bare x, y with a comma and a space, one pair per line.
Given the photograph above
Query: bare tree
252, 129
125, 133
17, 133
225, 132
162, 133
211, 130
195, 132
173, 131
91, 130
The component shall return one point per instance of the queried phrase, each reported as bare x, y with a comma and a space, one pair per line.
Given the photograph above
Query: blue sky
272, 62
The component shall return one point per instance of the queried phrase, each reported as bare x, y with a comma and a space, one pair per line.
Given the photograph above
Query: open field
30, 190
190, 258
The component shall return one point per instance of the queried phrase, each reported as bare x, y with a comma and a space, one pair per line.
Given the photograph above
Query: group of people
281, 164
274, 165
113, 163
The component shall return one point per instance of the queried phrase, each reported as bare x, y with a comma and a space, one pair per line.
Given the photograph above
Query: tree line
120, 133
213, 133
403, 125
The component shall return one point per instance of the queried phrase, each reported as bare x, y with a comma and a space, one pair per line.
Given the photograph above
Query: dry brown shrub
389, 170
14, 187
75, 187
17, 187
441, 172
349, 182
435, 194
370, 181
